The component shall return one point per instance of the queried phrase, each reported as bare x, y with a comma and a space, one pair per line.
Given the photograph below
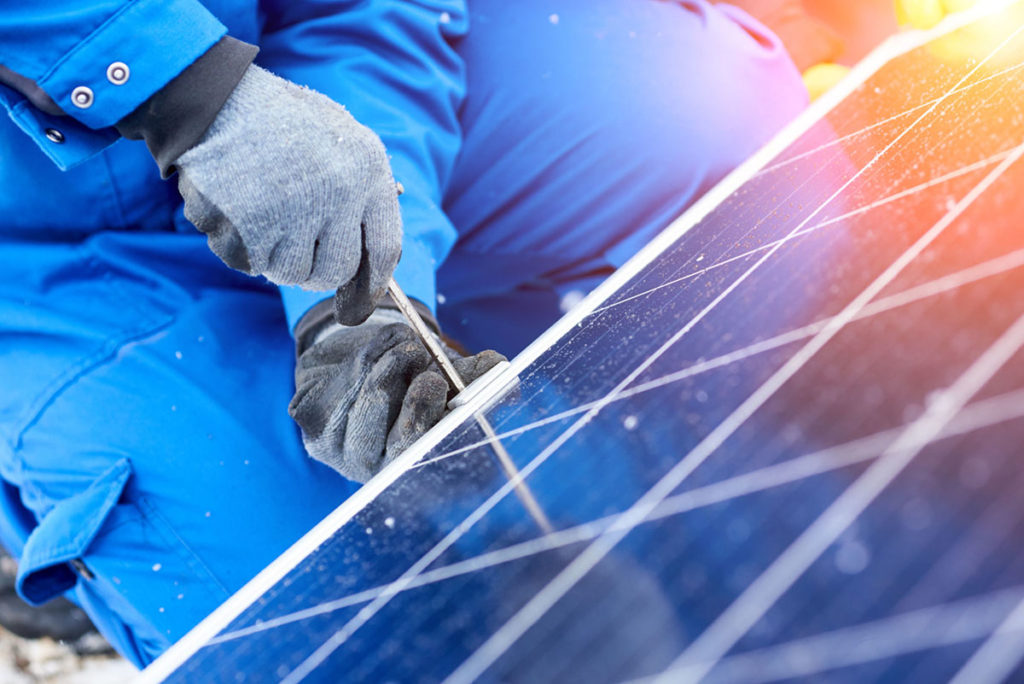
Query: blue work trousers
152, 468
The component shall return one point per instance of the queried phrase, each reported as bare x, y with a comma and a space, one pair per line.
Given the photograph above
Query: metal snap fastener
81, 568
118, 73
82, 97
54, 136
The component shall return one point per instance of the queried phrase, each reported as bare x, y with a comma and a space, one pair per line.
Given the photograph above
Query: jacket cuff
129, 57
30, 90
65, 141
174, 119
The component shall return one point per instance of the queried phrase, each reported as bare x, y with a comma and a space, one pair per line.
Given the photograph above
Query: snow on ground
44, 661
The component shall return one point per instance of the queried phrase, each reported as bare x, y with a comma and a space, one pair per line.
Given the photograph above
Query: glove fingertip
426, 399
353, 302
382, 230
472, 367
423, 407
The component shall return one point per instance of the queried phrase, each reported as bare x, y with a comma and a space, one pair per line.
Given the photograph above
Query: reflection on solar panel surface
784, 445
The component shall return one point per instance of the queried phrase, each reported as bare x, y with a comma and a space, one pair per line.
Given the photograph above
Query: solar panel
779, 444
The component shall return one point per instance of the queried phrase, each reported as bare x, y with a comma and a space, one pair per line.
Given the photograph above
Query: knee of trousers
163, 471
590, 121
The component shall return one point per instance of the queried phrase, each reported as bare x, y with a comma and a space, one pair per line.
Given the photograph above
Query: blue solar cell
781, 445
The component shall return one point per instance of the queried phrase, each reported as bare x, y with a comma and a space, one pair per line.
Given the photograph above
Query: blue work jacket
72, 173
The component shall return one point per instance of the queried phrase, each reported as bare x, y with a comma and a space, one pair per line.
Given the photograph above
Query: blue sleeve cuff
298, 301
71, 144
156, 39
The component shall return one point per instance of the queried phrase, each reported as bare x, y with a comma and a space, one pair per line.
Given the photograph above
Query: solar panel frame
498, 385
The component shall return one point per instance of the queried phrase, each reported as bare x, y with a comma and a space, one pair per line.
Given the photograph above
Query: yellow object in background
976, 41
820, 78
924, 14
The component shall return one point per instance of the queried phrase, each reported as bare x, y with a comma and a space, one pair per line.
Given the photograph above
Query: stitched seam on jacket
146, 515
185, 552
116, 192
38, 406
82, 44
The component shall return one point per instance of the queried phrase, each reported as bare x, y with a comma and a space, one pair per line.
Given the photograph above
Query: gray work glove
366, 393
287, 185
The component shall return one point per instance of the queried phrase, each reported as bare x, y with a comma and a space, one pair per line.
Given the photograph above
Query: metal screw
54, 136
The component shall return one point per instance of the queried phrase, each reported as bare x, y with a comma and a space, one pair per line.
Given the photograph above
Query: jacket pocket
52, 557
141, 584
129, 554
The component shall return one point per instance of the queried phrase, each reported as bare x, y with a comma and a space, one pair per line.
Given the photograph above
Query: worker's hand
924, 14
287, 185
366, 393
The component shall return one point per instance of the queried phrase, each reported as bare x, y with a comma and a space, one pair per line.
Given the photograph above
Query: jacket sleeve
393, 65
97, 60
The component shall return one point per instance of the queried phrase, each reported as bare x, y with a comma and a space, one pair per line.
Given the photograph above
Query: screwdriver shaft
426, 336
437, 352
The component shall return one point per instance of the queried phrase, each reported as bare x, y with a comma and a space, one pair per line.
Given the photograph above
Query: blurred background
52, 644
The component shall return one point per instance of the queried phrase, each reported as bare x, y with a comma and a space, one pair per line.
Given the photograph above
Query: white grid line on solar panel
947, 624
824, 224
488, 649
1000, 655
502, 640
979, 415
888, 50
764, 591
970, 168
793, 236
943, 285
758, 598
179, 652
867, 129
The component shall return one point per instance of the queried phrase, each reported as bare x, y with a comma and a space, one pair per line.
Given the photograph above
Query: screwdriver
437, 352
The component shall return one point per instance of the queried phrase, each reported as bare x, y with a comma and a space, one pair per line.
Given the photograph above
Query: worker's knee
163, 475
606, 119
